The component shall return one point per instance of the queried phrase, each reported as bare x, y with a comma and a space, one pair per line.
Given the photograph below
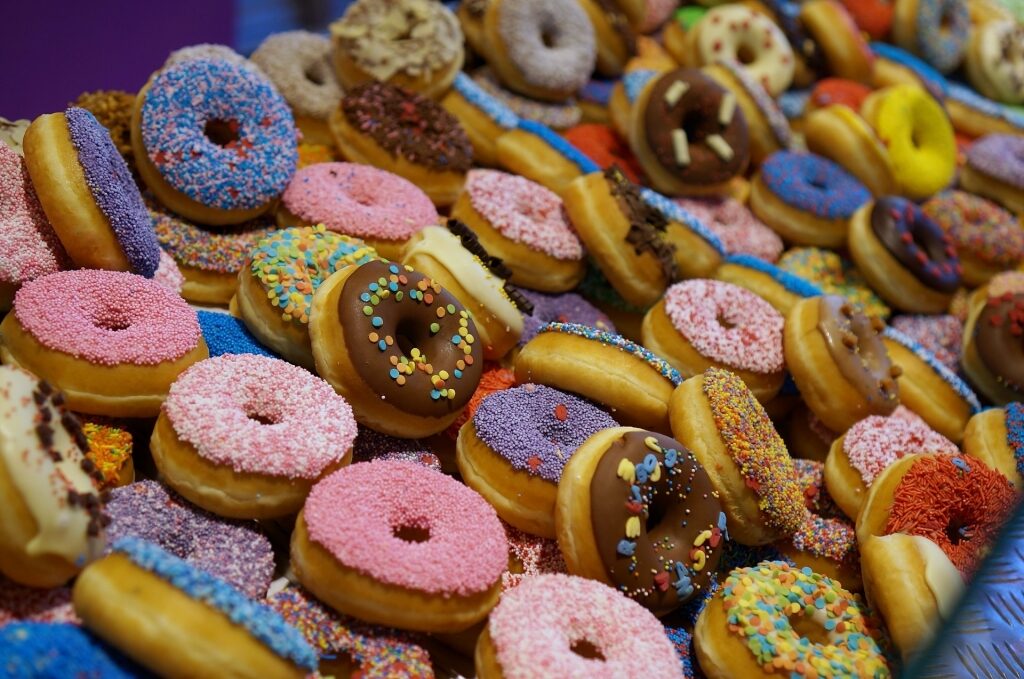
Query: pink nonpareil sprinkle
29, 248
877, 441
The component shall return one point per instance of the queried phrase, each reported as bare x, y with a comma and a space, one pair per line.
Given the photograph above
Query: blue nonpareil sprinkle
38, 650
675, 213
793, 103
813, 184
559, 144
793, 283
495, 110
261, 622
225, 334
635, 81
1015, 433
661, 365
947, 375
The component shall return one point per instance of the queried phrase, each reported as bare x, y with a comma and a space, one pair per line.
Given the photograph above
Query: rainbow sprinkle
110, 448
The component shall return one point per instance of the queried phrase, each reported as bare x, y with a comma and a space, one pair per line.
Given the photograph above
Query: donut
30, 245
996, 438
614, 37
556, 115
148, 604
381, 208
572, 627
829, 91
806, 437
835, 275
874, 17
41, 649
768, 127
995, 167
839, 134
233, 551
109, 448
631, 382
988, 239
224, 436
856, 458
995, 57
809, 59
277, 283
544, 49
935, 30
894, 66
454, 257
111, 341
757, 622
88, 194
52, 514
992, 348
399, 131
211, 52
514, 448
524, 224
838, 38
838, 361
941, 335
209, 259
777, 286
471, 18
113, 110
422, 361
688, 134
904, 255
299, 65
826, 545
225, 334
715, 415
673, 35
616, 481
603, 145
530, 556
425, 553
647, 15
346, 644
482, 116
700, 324
33, 604
311, 154
220, 161
739, 231
976, 116
806, 199
538, 153
736, 33
917, 135
594, 100
568, 307
372, 445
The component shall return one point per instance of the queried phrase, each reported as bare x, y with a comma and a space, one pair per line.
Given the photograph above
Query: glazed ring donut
996, 437
995, 61
222, 160
831, 26
630, 381
738, 34
935, 30
425, 552
544, 49
399, 347
775, 285
995, 170
572, 627
717, 417
918, 136
993, 355
611, 488
700, 324
749, 629
112, 341
838, 133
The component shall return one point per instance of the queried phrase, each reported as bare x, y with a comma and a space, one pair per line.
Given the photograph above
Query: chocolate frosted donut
999, 337
920, 245
410, 340
855, 344
694, 129
657, 521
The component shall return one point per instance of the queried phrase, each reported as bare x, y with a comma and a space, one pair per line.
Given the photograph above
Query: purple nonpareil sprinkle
565, 308
373, 445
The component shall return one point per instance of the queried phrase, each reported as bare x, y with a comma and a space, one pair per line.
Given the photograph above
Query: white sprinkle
681, 146
675, 92
726, 109
720, 146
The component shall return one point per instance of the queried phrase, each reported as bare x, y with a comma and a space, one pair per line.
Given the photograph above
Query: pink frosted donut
877, 441
727, 324
739, 230
28, 245
168, 274
524, 212
549, 624
358, 200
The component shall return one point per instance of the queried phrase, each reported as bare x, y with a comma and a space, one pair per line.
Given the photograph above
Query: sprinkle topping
619, 342
221, 251
29, 245
877, 441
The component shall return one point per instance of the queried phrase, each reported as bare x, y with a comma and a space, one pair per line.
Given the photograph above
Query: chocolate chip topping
646, 224
999, 337
693, 130
857, 349
919, 244
408, 125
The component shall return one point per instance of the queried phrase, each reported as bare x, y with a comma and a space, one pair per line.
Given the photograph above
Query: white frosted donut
995, 61
738, 34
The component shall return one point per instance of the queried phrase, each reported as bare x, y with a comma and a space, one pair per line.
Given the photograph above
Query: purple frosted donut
233, 551
565, 308
813, 184
999, 156
218, 133
114, 191
537, 428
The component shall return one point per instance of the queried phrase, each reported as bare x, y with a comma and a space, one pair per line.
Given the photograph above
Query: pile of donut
636, 340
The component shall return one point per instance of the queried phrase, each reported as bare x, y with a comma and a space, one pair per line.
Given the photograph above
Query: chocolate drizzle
646, 224
471, 242
999, 337
919, 244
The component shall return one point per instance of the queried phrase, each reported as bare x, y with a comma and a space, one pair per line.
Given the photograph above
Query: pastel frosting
243, 411
29, 245
877, 441
466, 551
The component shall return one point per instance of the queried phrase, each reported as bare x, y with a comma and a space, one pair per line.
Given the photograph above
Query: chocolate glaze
919, 244
406, 321
999, 338
646, 225
684, 508
696, 112
855, 343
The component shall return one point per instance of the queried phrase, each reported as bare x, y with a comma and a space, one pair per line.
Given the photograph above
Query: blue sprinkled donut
225, 334
214, 140
935, 30
38, 650
813, 184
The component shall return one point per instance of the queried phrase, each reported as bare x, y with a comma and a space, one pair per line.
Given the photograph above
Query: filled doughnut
839, 40
482, 116
838, 133
874, 17
226, 334
977, 116
614, 37
538, 153
605, 147
568, 307
941, 335
895, 66
113, 110
778, 287
556, 115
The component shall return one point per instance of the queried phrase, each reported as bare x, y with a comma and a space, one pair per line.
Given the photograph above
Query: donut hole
112, 320
411, 532
809, 628
656, 512
724, 322
549, 36
407, 335
745, 54
586, 649
957, 531
696, 125
221, 132
315, 74
257, 415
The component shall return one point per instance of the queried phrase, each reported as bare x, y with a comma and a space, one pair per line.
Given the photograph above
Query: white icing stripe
942, 577
446, 247
43, 483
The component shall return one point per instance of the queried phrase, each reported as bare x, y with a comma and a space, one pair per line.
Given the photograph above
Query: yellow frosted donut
919, 136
